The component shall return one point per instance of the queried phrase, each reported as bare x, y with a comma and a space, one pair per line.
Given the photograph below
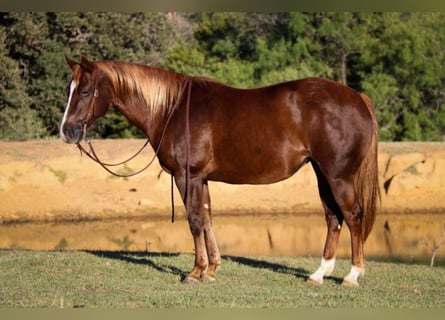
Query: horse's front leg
195, 215
209, 235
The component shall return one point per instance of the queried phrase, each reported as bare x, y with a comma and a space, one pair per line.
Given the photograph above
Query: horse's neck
149, 104
136, 112
139, 114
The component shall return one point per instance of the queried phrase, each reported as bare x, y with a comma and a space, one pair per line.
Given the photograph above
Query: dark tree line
398, 59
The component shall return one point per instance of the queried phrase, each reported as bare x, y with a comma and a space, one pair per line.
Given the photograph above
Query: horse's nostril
72, 132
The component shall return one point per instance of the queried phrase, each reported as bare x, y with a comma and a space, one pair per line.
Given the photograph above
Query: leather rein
186, 85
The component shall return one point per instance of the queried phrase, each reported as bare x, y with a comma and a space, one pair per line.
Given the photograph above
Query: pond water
395, 236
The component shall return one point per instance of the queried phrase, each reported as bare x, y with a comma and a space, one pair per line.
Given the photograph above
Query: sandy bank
49, 180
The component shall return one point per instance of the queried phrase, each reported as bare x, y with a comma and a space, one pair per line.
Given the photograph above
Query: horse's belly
263, 171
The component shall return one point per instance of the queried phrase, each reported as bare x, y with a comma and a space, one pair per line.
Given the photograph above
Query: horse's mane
159, 88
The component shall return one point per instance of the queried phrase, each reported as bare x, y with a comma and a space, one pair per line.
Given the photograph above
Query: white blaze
72, 88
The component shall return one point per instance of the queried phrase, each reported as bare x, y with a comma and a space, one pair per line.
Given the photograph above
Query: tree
398, 59
249, 49
405, 71
341, 35
37, 43
17, 120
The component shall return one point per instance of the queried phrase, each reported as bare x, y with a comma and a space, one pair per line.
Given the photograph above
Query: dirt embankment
49, 180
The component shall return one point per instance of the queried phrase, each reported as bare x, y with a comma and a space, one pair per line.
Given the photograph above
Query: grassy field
78, 279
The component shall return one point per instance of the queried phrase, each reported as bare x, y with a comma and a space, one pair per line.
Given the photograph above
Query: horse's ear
86, 64
71, 62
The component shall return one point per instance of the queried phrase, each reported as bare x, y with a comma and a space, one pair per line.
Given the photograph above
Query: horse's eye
85, 93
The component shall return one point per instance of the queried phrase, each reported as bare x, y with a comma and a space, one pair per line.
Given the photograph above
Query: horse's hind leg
329, 253
209, 235
334, 220
344, 193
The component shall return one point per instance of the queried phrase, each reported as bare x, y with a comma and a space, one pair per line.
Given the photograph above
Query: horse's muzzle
72, 132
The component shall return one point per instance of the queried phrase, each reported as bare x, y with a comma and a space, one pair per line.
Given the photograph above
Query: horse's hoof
314, 281
350, 283
208, 277
190, 280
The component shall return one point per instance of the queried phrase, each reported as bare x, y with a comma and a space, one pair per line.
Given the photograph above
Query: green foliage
410, 59
383, 90
36, 44
398, 59
248, 49
17, 120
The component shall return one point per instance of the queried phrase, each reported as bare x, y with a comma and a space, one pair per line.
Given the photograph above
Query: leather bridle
90, 113
186, 85
92, 153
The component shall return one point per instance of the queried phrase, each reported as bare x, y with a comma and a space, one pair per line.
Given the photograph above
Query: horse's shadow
145, 258
142, 258
262, 264
276, 267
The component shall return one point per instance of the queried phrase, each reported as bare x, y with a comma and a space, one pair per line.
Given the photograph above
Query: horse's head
88, 100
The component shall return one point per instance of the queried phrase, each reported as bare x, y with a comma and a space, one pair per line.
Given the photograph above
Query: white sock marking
354, 274
325, 269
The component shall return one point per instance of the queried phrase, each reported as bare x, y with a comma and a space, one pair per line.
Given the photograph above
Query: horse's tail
367, 179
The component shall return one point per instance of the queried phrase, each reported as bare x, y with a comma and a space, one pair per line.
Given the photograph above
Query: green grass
70, 279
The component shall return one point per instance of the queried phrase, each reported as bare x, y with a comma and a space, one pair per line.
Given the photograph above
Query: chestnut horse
203, 130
